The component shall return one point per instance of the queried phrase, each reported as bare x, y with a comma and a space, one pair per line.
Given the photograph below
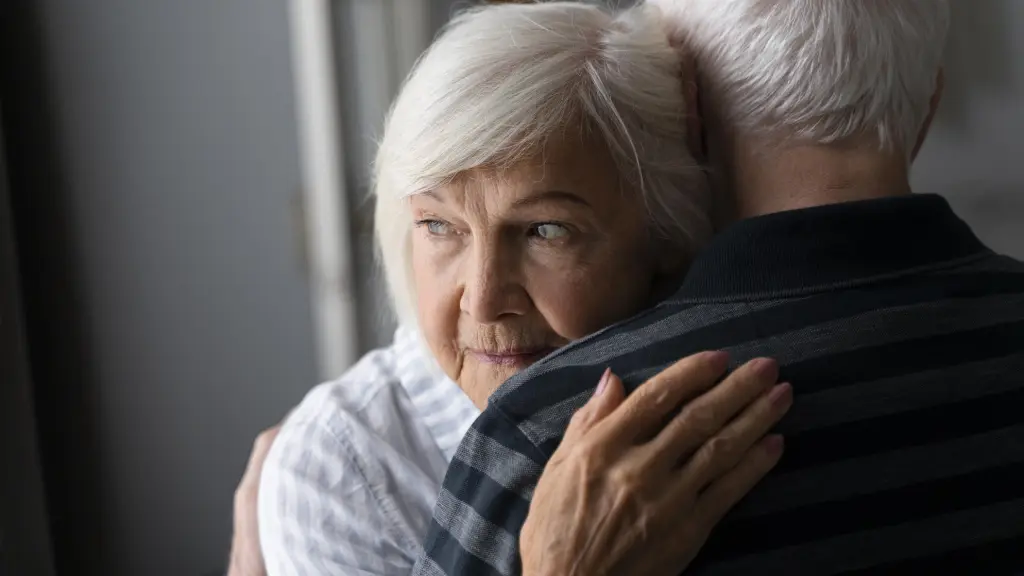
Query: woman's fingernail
603, 384
718, 358
765, 368
774, 444
781, 394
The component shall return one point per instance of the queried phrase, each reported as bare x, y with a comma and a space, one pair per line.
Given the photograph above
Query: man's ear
695, 137
933, 107
691, 99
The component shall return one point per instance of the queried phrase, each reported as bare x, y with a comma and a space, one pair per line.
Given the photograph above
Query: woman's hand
636, 486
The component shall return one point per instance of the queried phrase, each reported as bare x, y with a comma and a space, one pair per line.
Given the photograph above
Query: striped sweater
903, 337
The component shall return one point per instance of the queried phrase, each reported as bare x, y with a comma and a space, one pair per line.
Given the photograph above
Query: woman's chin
481, 377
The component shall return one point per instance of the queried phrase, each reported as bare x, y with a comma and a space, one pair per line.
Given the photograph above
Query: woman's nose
493, 290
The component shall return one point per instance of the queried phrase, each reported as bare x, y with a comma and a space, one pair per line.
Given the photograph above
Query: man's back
905, 447
904, 340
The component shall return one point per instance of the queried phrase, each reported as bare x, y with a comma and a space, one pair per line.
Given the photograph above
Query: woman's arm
635, 487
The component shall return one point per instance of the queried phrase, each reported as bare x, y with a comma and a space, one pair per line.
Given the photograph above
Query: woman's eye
436, 227
550, 231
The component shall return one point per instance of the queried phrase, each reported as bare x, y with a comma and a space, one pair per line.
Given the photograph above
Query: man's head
857, 79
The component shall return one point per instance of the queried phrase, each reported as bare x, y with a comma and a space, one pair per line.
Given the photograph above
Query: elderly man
903, 336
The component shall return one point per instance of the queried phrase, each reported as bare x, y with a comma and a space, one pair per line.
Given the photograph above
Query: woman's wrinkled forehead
571, 173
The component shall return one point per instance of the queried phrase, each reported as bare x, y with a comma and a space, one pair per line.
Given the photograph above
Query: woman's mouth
515, 358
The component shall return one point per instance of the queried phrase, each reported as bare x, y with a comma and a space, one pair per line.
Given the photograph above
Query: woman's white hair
501, 79
819, 70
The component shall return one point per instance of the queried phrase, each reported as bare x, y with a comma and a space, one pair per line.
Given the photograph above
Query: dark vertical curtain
24, 532
46, 427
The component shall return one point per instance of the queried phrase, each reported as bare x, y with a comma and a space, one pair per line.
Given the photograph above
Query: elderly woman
533, 186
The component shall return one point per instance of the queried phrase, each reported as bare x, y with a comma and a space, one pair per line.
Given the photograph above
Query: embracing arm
634, 487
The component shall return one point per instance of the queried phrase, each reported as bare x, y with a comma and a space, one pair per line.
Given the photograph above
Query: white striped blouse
350, 483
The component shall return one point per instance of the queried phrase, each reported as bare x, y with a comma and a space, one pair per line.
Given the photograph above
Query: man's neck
795, 177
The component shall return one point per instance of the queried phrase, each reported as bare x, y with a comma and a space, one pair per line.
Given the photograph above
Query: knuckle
581, 417
719, 448
625, 480
588, 452
641, 395
649, 401
715, 456
703, 420
680, 373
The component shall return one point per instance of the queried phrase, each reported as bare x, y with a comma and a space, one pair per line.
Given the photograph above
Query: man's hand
637, 485
246, 558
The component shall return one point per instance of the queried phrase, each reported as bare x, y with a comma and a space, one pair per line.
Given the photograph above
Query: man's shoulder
644, 344
990, 263
723, 319
988, 275
631, 336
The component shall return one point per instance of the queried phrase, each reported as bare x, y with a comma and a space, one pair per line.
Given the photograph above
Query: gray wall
975, 153
177, 143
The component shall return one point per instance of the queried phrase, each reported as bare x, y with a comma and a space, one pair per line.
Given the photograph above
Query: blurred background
185, 244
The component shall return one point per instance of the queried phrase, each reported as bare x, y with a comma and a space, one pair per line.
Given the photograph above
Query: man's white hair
502, 79
818, 70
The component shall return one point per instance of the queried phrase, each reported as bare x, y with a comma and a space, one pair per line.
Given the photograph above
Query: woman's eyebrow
551, 196
432, 195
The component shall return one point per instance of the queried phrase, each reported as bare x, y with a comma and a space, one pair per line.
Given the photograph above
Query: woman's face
509, 266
